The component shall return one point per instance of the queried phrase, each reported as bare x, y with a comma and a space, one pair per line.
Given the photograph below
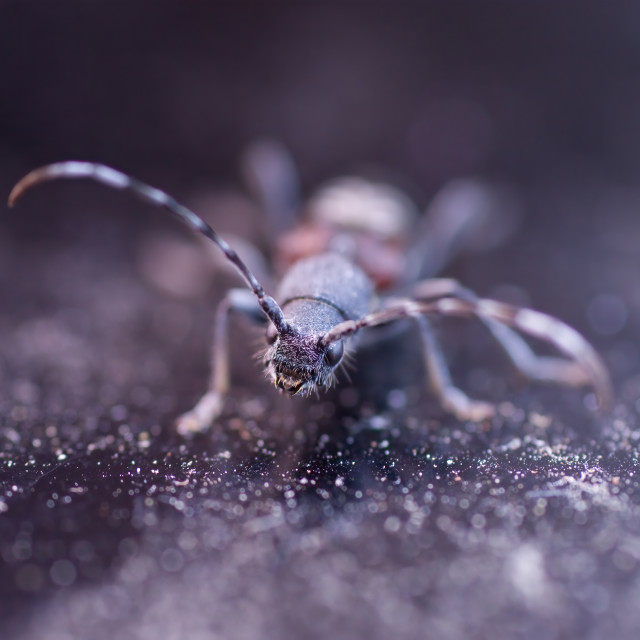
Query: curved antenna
534, 323
121, 181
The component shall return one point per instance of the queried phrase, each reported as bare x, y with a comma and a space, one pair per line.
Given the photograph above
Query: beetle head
298, 363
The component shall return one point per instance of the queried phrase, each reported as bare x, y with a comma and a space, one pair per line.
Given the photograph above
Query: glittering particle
63, 573
607, 314
172, 560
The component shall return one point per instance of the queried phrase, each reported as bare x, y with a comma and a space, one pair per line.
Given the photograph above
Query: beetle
350, 248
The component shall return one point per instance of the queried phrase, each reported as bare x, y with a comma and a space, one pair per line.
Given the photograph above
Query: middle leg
522, 357
451, 398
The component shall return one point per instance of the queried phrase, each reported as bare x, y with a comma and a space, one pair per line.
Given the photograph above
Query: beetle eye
334, 353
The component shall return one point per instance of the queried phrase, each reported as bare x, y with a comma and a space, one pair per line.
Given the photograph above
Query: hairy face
298, 364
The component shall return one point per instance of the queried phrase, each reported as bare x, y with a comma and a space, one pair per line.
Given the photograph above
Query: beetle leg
465, 215
451, 398
209, 407
522, 357
534, 323
271, 175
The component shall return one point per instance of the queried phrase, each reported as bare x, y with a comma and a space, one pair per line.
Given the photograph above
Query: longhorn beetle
336, 260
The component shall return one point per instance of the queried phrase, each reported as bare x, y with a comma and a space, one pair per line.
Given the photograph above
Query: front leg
209, 407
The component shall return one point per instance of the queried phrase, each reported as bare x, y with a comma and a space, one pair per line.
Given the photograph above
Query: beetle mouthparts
288, 385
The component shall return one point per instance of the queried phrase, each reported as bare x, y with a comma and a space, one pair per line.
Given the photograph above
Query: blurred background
544, 99
105, 322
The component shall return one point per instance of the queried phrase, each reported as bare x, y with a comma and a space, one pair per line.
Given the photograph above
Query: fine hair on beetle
326, 298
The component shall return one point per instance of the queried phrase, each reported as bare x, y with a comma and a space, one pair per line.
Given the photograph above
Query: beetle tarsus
202, 416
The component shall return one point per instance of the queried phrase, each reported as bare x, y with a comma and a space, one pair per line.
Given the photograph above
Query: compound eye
271, 335
334, 353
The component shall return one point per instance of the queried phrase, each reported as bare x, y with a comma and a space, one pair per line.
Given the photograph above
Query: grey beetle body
357, 242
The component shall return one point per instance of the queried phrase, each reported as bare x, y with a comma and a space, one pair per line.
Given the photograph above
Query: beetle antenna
121, 181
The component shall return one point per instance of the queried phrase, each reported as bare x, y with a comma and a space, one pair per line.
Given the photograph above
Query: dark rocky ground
327, 518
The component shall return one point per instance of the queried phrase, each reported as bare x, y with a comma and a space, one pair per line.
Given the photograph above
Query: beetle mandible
351, 247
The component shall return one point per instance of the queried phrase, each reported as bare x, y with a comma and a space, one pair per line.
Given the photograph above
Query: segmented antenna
121, 181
